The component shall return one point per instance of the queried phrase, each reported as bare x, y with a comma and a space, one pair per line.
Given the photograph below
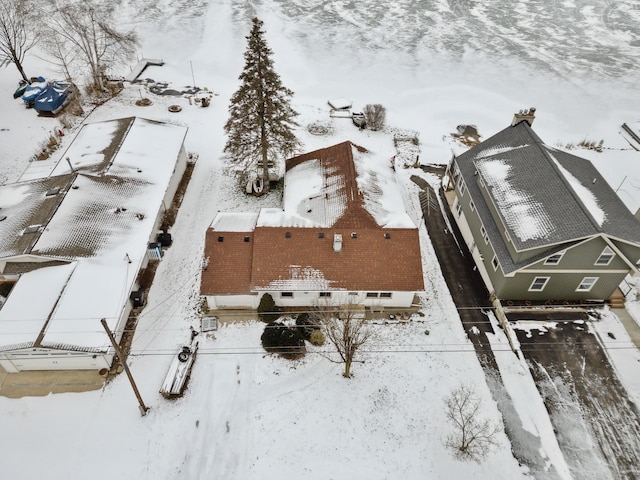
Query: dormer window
554, 259
605, 257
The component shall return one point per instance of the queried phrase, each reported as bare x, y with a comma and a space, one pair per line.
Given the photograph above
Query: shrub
374, 115
278, 338
317, 338
306, 325
267, 310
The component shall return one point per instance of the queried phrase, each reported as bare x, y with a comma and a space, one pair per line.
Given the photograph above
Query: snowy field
247, 415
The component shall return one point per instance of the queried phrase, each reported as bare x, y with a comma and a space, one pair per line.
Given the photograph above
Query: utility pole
143, 408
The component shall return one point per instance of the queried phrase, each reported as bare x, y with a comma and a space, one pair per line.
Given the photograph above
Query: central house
343, 236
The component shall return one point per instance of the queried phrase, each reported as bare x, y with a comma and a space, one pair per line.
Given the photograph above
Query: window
495, 262
605, 257
461, 186
372, 294
286, 294
385, 294
587, 284
458, 208
554, 259
483, 232
538, 284
325, 294
246, 239
472, 206
353, 293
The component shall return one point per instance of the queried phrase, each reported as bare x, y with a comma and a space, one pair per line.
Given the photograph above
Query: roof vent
52, 192
337, 242
31, 229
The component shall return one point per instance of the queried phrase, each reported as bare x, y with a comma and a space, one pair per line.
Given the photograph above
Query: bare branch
346, 328
16, 39
473, 437
86, 33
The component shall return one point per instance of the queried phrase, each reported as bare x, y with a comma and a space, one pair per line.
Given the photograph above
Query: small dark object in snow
611, 335
427, 332
184, 355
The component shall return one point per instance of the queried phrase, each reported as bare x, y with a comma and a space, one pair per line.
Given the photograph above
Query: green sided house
541, 224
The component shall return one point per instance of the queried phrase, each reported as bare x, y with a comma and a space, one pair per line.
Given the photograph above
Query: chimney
337, 242
524, 116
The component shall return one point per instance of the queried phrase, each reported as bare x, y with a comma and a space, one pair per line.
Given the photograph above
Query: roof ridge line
554, 162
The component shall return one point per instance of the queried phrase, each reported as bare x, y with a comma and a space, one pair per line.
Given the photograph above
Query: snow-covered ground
248, 415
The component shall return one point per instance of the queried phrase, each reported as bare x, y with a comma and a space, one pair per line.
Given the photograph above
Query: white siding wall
309, 299
45, 359
232, 301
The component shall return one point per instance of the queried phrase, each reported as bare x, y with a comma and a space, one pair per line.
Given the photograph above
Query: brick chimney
524, 116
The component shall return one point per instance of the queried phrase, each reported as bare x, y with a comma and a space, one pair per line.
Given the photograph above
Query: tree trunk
21, 70
347, 369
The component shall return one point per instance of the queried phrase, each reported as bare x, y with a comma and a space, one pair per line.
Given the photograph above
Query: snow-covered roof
104, 221
21, 318
545, 197
340, 190
323, 186
234, 222
26, 204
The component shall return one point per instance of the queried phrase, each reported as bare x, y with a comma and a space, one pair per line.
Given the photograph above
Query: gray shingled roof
25, 204
539, 201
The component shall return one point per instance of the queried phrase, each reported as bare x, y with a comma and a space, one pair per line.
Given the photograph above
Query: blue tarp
33, 90
52, 97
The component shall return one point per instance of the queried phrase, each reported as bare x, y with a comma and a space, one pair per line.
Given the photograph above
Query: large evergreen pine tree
261, 120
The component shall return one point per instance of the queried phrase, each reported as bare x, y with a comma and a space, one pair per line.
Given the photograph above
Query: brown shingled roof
289, 258
369, 262
229, 263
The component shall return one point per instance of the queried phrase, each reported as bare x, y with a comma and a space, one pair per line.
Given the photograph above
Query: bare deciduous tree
346, 328
16, 39
473, 437
374, 115
88, 30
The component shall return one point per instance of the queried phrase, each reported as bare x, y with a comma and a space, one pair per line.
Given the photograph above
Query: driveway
597, 426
